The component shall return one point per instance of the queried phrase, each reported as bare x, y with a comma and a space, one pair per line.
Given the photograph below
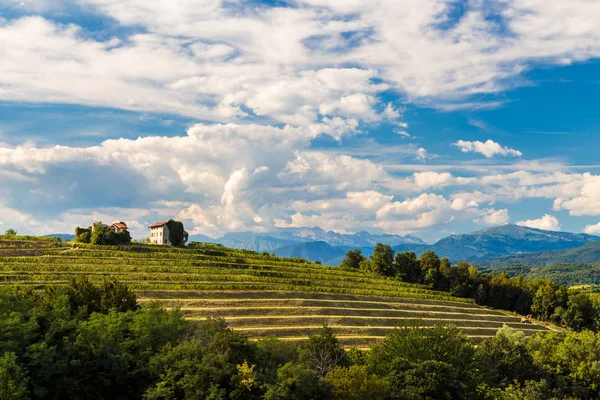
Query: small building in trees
159, 233
118, 227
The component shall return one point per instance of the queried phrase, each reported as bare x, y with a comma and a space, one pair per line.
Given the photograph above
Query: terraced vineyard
257, 294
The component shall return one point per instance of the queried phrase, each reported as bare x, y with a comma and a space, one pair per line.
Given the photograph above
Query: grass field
257, 294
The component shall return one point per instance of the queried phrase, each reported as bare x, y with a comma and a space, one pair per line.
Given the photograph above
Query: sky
423, 117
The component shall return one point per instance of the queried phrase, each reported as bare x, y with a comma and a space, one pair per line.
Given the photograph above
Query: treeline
542, 298
563, 274
94, 342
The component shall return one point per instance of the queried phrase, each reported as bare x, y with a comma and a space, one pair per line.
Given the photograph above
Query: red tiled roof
120, 225
158, 225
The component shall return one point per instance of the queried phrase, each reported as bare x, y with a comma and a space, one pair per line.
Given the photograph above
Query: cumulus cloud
547, 222
283, 63
283, 75
489, 148
592, 229
494, 217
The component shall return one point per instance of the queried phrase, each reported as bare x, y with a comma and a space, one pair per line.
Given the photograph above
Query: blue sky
428, 117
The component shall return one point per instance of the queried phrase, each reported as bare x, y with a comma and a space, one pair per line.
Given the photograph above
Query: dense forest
543, 298
83, 341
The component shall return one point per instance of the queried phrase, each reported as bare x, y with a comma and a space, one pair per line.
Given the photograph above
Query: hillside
563, 274
579, 266
588, 253
257, 294
63, 236
501, 241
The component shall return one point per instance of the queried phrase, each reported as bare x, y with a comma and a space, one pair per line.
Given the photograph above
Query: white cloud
592, 229
430, 179
488, 148
217, 60
580, 196
547, 222
422, 154
494, 217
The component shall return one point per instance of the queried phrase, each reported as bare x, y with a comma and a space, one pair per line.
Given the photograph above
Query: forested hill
586, 254
502, 241
580, 266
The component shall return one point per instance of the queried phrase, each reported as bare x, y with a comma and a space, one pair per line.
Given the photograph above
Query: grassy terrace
257, 294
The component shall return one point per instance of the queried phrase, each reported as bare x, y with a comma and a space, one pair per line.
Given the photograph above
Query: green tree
11, 232
443, 343
84, 237
430, 269
206, 366
296, 382
356, 383
408, 267
505, 359
382, 260
322, 351
460, 280
13, 379
119, 297
579, 313
353, 259
548, 297
530, 390
431, 380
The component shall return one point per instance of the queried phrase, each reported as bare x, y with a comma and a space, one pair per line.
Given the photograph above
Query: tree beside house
169, 232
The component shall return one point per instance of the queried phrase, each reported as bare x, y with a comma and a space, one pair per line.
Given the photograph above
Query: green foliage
323, 352
296, 382
382, 260
177, 235
83, 235
444, 343
10, 232
92, 342
356, 383
103, 235
530, 390
432, 380
353, 259
408, 267
13, 380
86, 297
505, 359
431, 274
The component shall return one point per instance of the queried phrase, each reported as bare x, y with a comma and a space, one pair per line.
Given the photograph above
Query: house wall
160, 235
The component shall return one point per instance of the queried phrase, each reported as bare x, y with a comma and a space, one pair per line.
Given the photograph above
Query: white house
159, 233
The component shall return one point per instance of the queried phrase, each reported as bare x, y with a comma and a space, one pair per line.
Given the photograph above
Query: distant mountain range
63, 236
502, 241
492, 247
291, 236
330, 247
587, 254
